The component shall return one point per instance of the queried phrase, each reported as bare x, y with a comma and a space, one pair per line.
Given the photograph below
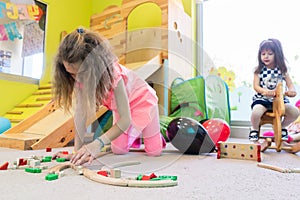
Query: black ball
189, 136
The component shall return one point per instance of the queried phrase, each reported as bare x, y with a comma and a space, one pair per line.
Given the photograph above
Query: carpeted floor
199, 177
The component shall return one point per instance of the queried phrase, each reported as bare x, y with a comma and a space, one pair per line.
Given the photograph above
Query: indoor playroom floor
198, 176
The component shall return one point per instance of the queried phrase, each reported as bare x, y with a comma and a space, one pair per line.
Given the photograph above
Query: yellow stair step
29, 105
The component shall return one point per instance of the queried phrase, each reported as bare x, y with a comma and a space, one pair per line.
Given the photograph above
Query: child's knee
292, 112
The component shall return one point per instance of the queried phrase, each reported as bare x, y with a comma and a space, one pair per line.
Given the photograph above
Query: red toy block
22, 161
4, 166
65, 152
103, 173
149, 177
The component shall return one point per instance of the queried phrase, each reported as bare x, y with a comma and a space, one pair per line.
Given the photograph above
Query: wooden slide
51, 126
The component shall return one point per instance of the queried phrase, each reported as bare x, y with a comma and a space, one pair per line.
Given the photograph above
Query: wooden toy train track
92, 175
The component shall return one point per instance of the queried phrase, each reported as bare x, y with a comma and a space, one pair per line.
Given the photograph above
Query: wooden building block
244, 151
115, 173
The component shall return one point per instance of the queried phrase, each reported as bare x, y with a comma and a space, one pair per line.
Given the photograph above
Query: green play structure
198, 98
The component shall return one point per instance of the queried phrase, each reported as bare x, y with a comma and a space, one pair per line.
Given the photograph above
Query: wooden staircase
38, 123
30, 106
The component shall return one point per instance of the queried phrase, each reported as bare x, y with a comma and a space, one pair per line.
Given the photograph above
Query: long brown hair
95, 75
275, 46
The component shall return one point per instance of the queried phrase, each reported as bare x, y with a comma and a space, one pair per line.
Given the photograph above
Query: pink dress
143, 104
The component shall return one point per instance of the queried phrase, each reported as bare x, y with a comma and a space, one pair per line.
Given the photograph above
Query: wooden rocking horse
274, 118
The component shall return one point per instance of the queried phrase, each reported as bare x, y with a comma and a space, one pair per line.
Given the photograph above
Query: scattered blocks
239, 151
113, 173
145, 177
153, 177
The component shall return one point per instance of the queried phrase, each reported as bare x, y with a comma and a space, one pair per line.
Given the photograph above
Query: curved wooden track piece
58, 168
92, 175
126, 182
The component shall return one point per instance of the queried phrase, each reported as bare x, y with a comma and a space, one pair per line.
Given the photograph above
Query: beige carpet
199, 177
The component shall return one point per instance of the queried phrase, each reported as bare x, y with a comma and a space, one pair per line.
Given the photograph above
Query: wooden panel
21, 141
112, 24
49, 123
59, 135
146, 69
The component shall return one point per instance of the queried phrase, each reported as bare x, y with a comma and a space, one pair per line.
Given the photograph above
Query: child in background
271, 69
87, 74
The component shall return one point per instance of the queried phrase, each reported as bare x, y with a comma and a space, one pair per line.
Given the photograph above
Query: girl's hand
269, 93
62, 155
87, 153
291, 93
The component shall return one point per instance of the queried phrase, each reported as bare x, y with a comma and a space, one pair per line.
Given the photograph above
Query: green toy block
47, 159
60, 160
51, 177
33, 170
173, 178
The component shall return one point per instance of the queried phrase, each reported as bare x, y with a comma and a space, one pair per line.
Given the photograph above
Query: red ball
297, 104
217, 129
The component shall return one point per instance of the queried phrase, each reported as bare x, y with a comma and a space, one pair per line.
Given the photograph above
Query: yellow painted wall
135, 21
64, 15
99, 5
12, 93
61, 15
